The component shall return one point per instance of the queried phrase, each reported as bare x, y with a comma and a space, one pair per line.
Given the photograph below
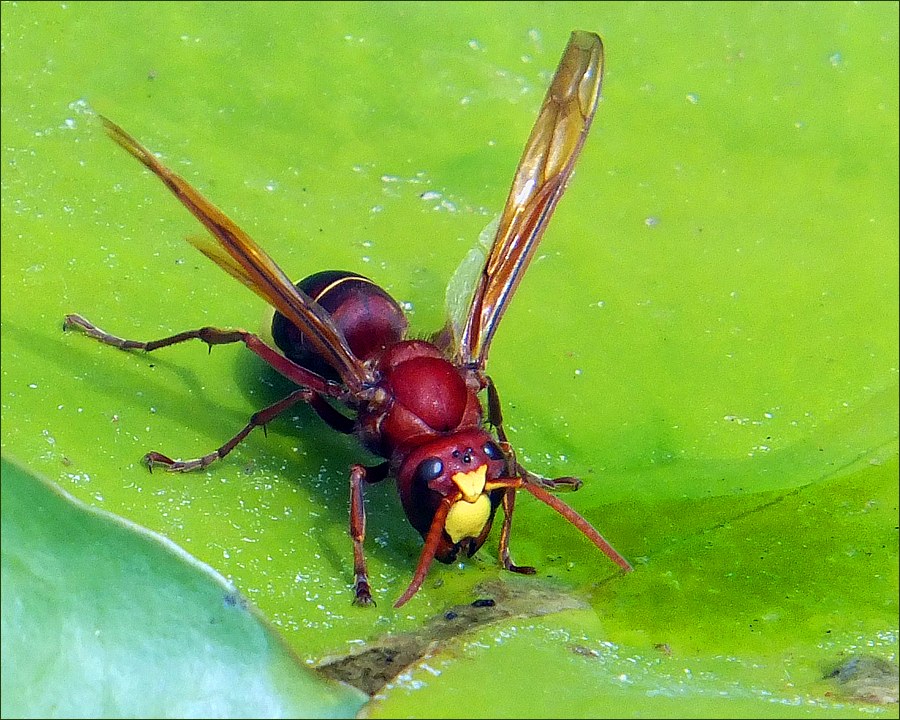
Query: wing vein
539, 181
248, 262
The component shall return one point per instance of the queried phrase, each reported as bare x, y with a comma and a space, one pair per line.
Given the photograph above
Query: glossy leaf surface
103, 619
710, 326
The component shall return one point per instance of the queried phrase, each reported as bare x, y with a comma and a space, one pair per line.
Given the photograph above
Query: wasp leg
552, 484
495, 411
335, 419
495, 418
359, 475
258, 419
313, 391
214, 336
509, 504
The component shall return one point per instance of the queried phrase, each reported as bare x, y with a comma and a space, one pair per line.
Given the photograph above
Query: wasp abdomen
369, 318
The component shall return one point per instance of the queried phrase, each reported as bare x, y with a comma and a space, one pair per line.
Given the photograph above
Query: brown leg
495, 412
509, 503
553, 484
258, 419
358, 476
214, 336
495, 418
314, 386
333, 418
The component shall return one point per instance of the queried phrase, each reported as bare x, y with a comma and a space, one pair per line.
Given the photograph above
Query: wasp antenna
586, 528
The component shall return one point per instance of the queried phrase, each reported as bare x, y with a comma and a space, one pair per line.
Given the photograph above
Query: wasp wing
236, 253
461, 288
539, 182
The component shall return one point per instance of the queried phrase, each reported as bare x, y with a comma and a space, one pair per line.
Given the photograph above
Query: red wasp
412, 402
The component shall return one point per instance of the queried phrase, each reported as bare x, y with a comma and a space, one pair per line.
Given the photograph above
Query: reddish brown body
413, 402
433, 414
429, 399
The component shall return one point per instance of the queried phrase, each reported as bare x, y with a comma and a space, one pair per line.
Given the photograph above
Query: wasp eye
493, 451
429, 470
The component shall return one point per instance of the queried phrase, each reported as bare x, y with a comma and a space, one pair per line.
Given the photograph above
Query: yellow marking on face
471, 484
467, 519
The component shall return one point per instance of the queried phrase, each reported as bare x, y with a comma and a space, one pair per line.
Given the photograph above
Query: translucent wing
462, 285
539, 182
236, 253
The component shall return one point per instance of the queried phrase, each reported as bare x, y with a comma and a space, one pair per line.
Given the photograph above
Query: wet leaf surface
707, 337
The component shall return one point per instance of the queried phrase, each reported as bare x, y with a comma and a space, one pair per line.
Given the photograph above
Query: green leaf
708, 335
707, 628
104, 619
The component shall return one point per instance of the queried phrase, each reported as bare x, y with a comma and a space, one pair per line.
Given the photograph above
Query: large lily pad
709, 337
101, 619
